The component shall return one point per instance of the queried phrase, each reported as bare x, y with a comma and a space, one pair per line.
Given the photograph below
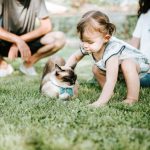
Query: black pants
5, 46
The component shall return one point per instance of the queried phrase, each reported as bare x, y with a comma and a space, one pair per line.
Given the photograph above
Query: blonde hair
95, 21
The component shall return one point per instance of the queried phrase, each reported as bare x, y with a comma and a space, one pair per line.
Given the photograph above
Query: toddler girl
111, 55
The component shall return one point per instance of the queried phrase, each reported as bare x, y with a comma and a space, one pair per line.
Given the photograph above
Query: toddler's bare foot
97, 104
130, 101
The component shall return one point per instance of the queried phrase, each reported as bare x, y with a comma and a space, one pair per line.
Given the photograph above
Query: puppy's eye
66, 78
63, 70
56, 73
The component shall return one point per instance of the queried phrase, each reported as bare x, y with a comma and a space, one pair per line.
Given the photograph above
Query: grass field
30, 121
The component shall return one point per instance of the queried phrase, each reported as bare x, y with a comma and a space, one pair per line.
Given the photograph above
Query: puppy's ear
58, 68
57, 73
73, 67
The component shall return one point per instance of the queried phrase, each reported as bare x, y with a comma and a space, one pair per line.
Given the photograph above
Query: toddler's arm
74, 59
112, 66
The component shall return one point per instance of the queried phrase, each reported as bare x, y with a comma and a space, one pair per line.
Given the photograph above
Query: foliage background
122, 13
31, 121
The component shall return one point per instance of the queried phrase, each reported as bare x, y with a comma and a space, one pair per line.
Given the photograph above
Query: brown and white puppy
58, 81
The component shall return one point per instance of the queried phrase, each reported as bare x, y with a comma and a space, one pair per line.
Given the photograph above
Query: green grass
30, 121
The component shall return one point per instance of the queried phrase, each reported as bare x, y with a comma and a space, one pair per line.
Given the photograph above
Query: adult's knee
60, 39
59, 35
55, 39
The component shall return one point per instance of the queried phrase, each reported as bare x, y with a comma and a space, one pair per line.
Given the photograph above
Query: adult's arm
8, 36
136, 36
20, 41
135, 42
16, 40
44, 28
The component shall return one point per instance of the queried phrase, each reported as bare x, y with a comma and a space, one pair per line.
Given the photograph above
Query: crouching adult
20, 37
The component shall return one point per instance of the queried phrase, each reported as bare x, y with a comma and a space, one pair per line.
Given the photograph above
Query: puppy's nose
75, 77
73, 80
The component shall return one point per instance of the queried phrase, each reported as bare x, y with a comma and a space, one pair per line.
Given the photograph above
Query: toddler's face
93, 42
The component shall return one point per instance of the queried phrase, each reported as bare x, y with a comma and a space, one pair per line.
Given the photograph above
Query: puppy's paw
64, 96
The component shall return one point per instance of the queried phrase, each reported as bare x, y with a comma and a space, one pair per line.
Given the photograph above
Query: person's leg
99, 75
52, 42
4, 49
5, 68
130, 71
3, 63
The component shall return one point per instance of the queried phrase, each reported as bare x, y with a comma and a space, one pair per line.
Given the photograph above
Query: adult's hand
24, 49
13, 52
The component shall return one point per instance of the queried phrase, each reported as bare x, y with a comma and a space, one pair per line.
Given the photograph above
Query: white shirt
124, 51
142, 31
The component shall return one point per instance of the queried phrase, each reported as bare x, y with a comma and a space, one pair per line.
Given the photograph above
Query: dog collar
68, 90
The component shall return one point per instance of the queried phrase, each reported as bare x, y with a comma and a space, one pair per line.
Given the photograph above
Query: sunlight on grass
30, 121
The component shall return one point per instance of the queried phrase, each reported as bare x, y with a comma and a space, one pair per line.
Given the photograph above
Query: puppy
57, 80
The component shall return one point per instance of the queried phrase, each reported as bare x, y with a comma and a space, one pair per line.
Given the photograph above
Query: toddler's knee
96, 70
127, 65
124, 66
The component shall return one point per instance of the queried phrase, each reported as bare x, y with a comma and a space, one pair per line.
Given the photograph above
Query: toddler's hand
97, 104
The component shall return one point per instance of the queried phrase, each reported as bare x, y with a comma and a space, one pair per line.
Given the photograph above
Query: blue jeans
145, 81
